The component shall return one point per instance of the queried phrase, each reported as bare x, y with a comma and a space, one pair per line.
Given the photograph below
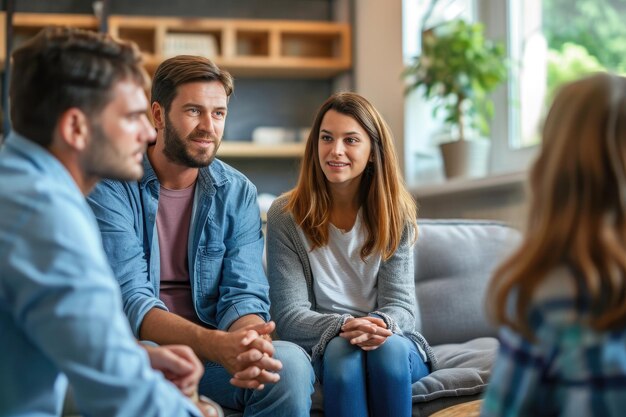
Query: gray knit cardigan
293, 305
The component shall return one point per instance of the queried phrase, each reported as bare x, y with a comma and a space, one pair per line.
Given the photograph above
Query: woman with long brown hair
340, 264
561, 297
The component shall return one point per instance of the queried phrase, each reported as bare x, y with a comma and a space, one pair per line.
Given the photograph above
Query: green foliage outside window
594, 38
568, 64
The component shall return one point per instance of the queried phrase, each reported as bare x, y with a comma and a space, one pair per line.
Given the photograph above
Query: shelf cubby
27, 25
246, 47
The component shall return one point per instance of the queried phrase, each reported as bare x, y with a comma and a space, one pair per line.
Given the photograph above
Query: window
556, 41
549, 42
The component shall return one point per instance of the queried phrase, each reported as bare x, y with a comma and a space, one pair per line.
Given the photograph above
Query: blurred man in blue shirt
78, 110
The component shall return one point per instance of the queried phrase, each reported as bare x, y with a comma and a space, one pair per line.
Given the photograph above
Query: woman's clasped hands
366, 332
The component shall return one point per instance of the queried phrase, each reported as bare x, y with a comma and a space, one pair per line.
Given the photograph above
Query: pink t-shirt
173, 221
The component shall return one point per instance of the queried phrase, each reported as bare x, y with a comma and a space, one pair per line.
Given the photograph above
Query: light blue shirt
60, 311
224, 251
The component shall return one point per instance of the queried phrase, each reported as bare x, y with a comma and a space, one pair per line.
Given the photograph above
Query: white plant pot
465, 159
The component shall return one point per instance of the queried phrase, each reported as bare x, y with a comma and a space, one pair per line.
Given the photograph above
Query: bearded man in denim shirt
186, 246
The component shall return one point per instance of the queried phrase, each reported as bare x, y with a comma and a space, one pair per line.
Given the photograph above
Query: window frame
499, 19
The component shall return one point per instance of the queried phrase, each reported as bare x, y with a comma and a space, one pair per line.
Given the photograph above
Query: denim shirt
225, 247
61, 314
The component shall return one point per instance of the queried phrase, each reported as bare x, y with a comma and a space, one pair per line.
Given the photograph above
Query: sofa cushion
464, 371
454, 260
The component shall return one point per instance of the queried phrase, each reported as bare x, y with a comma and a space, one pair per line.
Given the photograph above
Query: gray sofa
454, 260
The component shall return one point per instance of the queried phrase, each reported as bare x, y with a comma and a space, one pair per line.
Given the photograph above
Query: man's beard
176, 148
103, 160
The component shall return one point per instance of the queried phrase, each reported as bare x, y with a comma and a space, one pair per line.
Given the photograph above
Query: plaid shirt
569, 370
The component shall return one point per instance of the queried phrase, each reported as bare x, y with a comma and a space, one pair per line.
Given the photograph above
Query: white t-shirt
342, 282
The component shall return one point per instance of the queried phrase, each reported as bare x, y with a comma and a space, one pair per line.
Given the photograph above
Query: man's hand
245, 337
366, 332
178, 364
247, 321
247, 355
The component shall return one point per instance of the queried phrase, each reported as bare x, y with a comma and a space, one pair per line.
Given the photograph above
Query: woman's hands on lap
366, 332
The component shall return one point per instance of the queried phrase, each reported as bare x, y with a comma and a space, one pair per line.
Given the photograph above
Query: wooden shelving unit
244, 149
264, 48
26, 25
255, 48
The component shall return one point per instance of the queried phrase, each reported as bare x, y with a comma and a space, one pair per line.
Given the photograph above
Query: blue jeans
376, 383
289, 397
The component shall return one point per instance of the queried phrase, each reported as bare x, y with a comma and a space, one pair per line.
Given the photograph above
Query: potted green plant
460, 68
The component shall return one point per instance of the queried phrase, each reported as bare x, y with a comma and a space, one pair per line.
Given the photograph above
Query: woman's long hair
578, 206
388, 208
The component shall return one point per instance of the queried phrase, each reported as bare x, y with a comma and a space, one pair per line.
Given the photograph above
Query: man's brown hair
61, 68
183, 69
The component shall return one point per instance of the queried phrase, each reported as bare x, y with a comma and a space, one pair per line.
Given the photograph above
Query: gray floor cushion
463, 374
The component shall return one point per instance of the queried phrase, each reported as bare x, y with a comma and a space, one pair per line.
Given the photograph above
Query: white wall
378, 62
